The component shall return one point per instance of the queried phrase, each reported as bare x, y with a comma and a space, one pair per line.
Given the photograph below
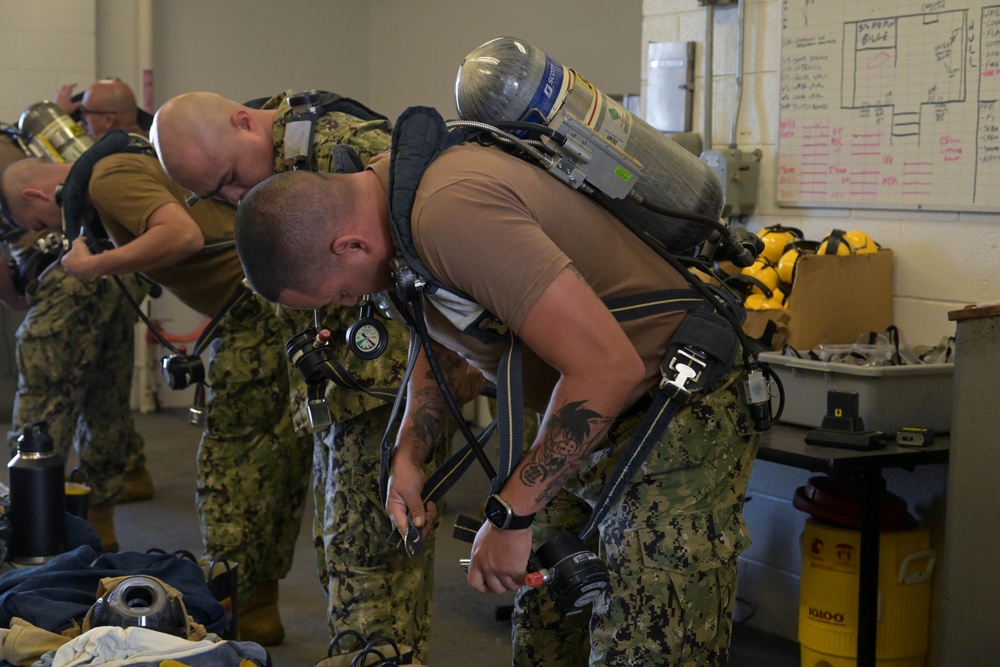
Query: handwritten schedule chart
889, 104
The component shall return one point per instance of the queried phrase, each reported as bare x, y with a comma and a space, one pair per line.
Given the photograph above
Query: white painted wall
43, 43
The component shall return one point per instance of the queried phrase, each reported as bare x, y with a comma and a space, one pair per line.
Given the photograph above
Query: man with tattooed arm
534, 257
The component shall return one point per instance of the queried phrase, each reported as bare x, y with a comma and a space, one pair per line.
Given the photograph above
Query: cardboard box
834, 299
889, 397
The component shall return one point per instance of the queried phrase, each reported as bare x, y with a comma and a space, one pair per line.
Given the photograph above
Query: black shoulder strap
73, 194
257, 102
328, 102
418, 137
334, 102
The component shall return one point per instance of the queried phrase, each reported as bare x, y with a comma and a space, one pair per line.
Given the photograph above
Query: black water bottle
37, 498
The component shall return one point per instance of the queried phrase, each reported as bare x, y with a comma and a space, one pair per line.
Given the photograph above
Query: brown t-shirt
127, 188
500, 230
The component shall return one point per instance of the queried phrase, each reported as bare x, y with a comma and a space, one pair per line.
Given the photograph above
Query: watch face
496, 512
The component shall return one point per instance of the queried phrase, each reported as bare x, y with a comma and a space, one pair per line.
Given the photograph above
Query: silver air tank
507, 79
49, 133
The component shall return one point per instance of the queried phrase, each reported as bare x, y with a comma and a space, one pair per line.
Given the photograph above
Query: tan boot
102, 519
138, 486
259, 620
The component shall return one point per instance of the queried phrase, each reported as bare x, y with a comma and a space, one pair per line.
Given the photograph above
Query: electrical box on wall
739, 173
670, 86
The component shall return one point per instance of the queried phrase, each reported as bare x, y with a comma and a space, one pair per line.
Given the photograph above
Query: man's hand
423, 422
499, 559
406, 481
80, 262
64, 98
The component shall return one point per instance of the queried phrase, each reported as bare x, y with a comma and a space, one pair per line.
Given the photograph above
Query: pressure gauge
367, 338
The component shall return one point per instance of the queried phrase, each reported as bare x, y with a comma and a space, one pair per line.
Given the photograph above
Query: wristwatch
499, 513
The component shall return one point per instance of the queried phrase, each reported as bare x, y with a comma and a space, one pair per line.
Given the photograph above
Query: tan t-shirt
500, 230
127, 188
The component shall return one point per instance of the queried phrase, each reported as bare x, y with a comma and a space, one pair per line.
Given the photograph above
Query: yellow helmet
776, 240
777, 300
754, 302
758, 301
860, 243
835, 244
763, 272
786, 265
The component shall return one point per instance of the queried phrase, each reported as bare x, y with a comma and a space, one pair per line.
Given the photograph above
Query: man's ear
35, 193
348, 243
241, 119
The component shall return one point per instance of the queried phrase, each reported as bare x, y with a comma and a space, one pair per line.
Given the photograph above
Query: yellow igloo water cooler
828, 598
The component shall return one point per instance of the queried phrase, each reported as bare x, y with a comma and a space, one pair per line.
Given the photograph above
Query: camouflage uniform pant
670, 542
75, 354
253, 469
373, 588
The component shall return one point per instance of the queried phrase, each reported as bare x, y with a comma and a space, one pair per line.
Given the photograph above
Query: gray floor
465, 628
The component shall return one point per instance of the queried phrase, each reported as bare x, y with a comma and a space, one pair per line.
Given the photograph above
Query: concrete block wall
43, 44
944, 260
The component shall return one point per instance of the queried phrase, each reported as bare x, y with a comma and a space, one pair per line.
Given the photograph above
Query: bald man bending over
109, 104
216, 147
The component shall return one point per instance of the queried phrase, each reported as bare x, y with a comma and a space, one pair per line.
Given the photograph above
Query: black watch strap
499, 513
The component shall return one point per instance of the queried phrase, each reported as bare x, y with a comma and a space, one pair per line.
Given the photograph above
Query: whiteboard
889, 104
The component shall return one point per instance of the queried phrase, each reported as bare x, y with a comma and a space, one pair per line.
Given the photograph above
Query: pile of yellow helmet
770, 278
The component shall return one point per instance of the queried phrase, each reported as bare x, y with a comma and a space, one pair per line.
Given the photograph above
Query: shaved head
213, 146
188, 122
307, 240
22, 174
109, 104
280, 245
27, 193
112, 95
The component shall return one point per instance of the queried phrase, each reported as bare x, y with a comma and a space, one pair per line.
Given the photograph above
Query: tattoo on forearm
427, 417
570, 433
450, 365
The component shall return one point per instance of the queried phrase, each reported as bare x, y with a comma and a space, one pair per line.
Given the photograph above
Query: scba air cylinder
50, 133
507, 79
